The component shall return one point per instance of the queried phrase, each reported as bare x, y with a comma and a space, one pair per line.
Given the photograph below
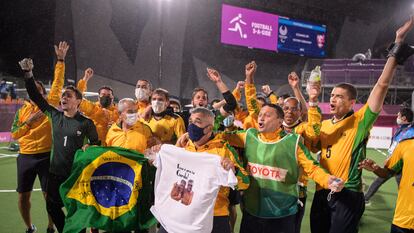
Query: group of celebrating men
269, 147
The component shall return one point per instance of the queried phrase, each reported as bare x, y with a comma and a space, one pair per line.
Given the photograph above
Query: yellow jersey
142, 106
343, 145
135, 138
37, 138
102, 117
168, 129
402, 159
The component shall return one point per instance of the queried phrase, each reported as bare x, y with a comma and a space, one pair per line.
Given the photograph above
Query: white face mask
131, 119
399, 121
141, 94
158, 106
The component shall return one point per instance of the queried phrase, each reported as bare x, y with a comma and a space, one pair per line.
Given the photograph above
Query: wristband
313, 104
400, 51
231, 102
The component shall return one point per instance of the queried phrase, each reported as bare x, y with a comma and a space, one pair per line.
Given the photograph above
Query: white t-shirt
186, 187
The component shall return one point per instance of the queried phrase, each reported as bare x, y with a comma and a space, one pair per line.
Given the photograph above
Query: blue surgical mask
195, 133
228, 121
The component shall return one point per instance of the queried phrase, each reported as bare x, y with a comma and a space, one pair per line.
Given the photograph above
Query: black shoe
32, 229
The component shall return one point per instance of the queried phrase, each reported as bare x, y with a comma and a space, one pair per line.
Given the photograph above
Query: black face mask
105, 101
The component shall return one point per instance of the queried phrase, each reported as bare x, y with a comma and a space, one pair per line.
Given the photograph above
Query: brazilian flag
109, 188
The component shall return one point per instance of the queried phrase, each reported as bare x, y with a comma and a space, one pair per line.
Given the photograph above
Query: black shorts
397, 229
30, 166
339, 215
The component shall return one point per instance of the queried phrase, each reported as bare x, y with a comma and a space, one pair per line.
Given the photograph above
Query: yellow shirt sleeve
82, 86
19, 129
366, 117
237, 94
311, 130
88, 108
251, 100
311, 167
395, 161
57, 84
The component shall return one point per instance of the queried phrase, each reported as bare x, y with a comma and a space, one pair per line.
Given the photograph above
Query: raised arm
294, 81
250, 90
231, 102
269, 94
237, 91
83, 83
59, 75
87, 107
27, 66
398, 53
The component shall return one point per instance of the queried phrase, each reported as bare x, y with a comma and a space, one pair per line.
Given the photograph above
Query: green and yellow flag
109, 188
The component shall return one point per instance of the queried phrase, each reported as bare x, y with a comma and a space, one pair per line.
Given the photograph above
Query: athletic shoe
32, 229
50, 230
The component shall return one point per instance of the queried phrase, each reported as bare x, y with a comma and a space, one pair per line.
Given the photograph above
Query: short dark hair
148, 82
161, 91
278, 109
407, 113
350, 89
106, 88
42, 86
198, 89
78, 94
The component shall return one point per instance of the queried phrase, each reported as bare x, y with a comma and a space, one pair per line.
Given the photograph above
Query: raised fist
293, 80
88, 74
26, 64
266, 89
240, 85
251, 68
214, 75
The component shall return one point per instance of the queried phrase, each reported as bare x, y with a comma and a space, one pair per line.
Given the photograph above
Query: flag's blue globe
112, 184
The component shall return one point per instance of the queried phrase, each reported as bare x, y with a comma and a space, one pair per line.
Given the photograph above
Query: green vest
274, 174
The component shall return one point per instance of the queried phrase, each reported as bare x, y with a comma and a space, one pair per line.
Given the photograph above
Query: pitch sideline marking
7, 155
14, 191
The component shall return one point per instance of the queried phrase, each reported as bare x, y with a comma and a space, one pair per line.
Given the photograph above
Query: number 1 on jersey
65, 140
